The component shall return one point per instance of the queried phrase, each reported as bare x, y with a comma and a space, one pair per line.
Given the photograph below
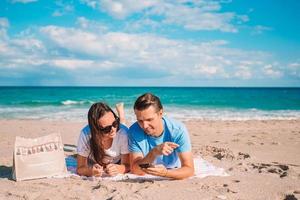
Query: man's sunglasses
107, 129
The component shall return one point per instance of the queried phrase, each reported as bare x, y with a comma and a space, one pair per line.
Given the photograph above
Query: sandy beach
262, 158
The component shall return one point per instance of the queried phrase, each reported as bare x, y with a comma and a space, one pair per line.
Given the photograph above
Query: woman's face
106, 122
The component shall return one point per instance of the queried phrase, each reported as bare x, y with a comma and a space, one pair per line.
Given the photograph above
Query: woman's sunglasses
107, 129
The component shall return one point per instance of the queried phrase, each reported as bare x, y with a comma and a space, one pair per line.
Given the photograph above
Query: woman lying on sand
103, 143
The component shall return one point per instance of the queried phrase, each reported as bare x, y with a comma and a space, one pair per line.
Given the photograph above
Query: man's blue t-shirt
140, 142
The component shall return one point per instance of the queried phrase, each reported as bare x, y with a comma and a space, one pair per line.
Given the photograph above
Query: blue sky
149, 43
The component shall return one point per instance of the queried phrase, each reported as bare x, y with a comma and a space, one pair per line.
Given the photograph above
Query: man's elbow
191, 172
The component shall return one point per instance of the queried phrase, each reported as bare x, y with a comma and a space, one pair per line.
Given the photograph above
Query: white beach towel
202, 169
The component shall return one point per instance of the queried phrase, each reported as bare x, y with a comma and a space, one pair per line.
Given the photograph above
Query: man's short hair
147, 100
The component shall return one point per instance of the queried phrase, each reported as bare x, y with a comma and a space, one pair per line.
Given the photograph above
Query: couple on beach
153, 145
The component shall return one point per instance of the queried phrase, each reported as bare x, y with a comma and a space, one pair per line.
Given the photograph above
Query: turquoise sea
72, 103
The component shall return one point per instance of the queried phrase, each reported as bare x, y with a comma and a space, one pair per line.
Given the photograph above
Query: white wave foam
232, 114
80, 114
71, 102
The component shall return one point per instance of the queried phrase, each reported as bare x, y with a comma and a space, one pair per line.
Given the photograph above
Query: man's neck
160, 131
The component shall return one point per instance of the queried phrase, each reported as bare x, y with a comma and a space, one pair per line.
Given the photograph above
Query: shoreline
254, 153
183, 121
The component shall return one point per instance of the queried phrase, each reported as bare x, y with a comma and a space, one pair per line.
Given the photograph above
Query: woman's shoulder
122, 134
85, 131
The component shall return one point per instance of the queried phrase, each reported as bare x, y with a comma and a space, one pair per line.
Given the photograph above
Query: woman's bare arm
84, 170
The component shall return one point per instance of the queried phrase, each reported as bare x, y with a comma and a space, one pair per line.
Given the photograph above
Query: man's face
150, 120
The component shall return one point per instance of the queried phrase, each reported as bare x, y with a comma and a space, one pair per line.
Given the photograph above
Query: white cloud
120, 9
113, 44
73, 39
91, 3
242, 18
208, 70
28, 44
141, 24
294, 69
4, 23
62, 9
294, 65
74, 49
192, 15
72, 63
20, 52
91, 25
243, 72
23, 1
270, 71
26, 62
178, 58
75, 64
196, 18
57, 14
259, 29
83, 22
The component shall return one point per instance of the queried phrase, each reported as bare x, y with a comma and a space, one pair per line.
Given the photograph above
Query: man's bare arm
187, 167
165, 148
138, 158
186, 170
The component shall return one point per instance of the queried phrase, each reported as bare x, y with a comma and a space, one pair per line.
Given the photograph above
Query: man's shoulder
173, 125
123, 130
179, 135
134, 127
136, 131
175, 129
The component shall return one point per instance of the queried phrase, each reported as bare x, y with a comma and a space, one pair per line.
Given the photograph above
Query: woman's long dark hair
96, 111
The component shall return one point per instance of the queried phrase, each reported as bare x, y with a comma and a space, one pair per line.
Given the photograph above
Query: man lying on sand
158, 145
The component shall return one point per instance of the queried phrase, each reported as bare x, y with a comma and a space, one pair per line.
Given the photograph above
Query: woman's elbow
78, 171
136, 171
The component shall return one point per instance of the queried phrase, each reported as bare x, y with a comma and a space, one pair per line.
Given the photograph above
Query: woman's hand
112, 169
97, 170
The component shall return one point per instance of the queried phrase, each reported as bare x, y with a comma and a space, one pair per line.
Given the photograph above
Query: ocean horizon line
222, 87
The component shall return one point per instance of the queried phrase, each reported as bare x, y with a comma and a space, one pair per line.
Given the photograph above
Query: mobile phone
146, 165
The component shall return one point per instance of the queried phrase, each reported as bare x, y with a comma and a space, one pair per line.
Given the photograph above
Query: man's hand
112, 169
97, 170
157, 170
165, 148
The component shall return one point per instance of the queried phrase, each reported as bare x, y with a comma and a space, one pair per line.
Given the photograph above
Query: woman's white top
119, 145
